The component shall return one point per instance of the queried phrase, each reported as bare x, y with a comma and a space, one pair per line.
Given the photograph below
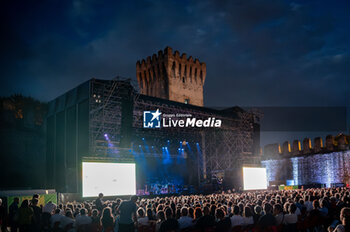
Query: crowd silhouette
311, 210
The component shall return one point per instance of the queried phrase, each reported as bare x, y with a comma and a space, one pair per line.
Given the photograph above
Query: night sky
258, 53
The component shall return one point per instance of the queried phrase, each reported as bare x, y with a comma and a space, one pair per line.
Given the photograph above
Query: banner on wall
290, 187
43, 199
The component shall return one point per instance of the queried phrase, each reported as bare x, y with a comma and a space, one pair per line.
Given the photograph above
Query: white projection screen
254, 178
111, 179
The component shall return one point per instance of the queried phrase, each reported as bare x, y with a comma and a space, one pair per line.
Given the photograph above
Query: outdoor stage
103, 119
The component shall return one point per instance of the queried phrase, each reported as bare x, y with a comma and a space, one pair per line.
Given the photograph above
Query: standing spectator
25, 214
48, 209
127, 210
3, 223
99, 202
13, 215
36, 220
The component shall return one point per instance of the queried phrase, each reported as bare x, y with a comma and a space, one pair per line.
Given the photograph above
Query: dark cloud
264, 53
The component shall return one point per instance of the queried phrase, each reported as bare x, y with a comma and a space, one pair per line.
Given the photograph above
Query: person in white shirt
185, 221
56, 218
142, 219
82, 218
236, 219
291, 218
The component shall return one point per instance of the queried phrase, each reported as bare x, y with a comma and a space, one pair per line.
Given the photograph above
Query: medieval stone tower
173, 77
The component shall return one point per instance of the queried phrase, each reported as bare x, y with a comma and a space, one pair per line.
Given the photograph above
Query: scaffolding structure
105, 113
213, 149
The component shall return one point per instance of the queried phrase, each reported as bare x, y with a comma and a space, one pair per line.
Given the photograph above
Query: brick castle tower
173, 77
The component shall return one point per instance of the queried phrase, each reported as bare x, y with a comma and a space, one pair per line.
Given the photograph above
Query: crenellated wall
298, 148
172, 76
307, 163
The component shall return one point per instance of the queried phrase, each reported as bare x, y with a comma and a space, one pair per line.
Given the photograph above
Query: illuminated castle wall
326, 169
308, 163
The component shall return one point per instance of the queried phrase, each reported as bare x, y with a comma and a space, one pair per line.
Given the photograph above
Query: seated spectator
67, 221
236, 219
170, 224
323, 209
291, 217
142, 218
345, 220
197, 214
206, 221
257, 213
279, 215
308, 203
56, 219
82, 218
150, 214
223, 223
49, 207
248, 216
185, 221
160, 219
267, 220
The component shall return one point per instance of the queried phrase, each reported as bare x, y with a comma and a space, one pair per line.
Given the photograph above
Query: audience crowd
310, 210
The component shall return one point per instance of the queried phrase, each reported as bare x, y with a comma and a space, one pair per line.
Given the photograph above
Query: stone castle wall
306, 147
172, 76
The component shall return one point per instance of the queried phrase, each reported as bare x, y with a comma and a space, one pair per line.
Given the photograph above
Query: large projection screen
254, 178
111, 179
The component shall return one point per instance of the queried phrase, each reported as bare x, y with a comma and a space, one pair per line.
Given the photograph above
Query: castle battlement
172, 76
297, 148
